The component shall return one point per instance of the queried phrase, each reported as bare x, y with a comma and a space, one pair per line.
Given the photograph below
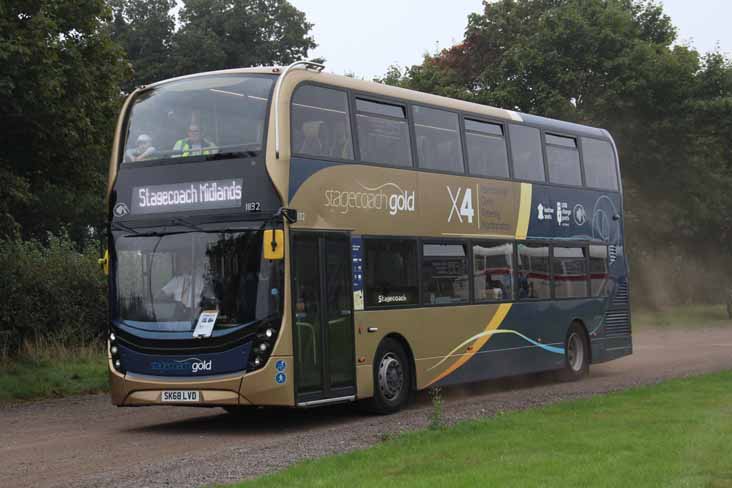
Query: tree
59, 94
219, 34
209, 35
144, 29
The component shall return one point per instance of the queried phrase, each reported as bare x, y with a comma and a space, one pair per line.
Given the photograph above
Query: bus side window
598, 270
533, 272
438, 139
486, 145
383, 135
528, 162
320, 123
570, 271
493, 271
445, 273
390, 272
599, 162
563, 160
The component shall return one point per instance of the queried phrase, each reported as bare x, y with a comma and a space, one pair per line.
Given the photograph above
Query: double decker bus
296, 238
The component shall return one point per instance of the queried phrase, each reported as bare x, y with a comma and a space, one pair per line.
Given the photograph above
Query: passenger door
323, 317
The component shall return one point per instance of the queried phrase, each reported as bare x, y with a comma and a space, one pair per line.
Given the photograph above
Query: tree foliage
145, 30
212, 34
51, 290
614, 64
59, 92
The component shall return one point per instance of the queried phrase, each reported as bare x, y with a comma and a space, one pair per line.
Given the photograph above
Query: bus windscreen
164, 282
201, 116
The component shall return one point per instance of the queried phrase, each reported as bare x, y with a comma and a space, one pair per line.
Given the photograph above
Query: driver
180, 286
193, 145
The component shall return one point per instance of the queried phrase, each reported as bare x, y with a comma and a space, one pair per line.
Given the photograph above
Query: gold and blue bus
289, 237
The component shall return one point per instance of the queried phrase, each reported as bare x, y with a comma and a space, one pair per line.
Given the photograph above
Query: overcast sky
357, 36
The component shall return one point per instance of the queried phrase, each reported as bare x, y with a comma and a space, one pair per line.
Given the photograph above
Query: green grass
46, 371
683, 316
674, 434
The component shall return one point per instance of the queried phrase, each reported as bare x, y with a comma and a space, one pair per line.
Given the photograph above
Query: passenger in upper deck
143, 149
193, 145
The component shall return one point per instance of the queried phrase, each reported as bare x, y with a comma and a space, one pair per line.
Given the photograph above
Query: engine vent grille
617, 318
617, 323
621, 295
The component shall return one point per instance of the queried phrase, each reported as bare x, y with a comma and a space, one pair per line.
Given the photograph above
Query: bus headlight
114, 352
262, 345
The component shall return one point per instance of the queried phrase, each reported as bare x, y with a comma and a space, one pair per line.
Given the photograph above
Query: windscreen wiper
119, 226
188, 224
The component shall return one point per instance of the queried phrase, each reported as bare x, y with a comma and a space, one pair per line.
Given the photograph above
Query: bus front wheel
392, 377
576, 354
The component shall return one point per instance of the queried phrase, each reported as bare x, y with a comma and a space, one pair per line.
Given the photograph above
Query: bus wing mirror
274, 244
104, 262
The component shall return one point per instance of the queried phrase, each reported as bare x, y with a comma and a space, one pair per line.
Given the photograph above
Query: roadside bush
50, 291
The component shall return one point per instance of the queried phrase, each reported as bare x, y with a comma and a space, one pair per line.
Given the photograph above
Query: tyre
576, 354
392, 378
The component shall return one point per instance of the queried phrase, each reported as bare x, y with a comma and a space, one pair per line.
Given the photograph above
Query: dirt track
85, 441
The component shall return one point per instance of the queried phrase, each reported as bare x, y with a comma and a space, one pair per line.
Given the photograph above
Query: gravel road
85, 441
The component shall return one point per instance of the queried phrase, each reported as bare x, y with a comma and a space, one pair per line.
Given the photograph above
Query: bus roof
379, 89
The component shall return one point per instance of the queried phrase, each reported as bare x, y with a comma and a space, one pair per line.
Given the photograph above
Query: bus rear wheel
392, 378
576, 354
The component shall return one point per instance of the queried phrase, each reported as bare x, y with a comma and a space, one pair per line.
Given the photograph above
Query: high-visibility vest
183, 146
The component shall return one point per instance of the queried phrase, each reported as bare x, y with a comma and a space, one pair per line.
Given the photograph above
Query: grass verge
689, 316
673, 434
46, 370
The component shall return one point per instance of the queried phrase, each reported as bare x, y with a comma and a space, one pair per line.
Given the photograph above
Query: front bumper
260, 387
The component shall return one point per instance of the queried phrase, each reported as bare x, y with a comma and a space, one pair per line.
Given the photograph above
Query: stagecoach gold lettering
345, 200
371, 199
188, 195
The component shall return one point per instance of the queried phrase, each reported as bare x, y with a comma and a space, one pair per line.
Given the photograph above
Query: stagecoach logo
199, 195
388, 197
194, 365
121, 209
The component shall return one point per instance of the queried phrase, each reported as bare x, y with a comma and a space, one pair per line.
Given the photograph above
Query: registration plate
181, 396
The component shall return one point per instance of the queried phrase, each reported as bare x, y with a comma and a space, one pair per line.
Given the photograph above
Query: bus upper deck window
486, 146
383, 135
599, 161
437, 134
528, 162
320, 123
563, 160
198, 117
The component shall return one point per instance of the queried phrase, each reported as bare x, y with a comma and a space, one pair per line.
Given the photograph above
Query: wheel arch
581, 324
410, 356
